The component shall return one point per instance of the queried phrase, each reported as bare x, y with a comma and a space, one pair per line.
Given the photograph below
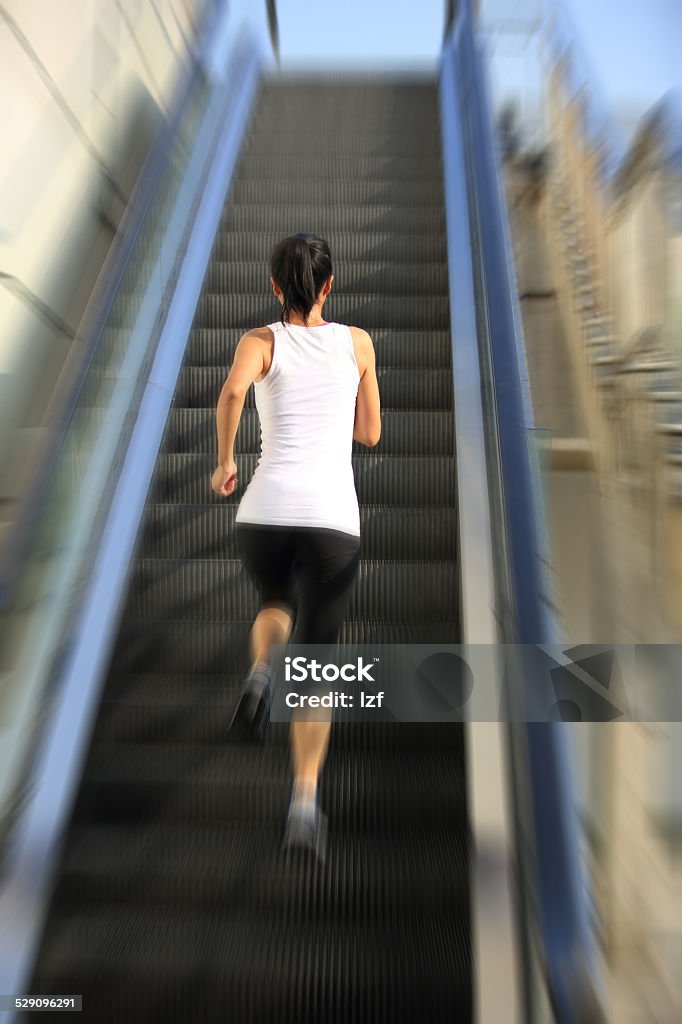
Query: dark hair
300, 264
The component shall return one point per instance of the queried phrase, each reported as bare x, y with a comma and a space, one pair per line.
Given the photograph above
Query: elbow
233, 393
372, 437
375, 433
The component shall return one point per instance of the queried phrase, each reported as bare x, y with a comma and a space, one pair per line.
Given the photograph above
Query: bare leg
309, 742
272, 625
306, 824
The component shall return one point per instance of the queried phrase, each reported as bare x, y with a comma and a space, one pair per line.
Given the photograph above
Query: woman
298, 522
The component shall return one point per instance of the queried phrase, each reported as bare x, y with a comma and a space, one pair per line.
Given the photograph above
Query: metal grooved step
173, 903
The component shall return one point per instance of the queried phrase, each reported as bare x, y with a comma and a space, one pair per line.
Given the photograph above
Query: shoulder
258, 334
257, 339
361, 341
364, 348
360, 336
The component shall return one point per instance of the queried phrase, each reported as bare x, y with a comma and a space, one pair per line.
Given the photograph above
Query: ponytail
300, 264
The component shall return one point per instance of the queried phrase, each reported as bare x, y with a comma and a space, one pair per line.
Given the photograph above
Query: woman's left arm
246, 367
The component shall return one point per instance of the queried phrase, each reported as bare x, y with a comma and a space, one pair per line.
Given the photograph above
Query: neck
314, 317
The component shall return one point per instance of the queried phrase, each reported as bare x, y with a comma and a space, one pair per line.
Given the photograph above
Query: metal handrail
273, 27
206, 151
450, 12
554, 906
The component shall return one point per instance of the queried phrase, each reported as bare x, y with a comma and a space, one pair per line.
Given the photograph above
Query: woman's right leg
327, 564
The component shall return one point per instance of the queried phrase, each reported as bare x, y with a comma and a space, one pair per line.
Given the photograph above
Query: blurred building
597, 237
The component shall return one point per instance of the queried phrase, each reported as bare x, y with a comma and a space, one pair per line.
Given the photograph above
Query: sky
633, 47
374, 32
630, 46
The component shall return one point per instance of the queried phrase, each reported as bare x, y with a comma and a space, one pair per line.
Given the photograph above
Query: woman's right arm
367, 427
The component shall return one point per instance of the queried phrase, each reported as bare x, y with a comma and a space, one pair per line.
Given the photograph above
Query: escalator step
428, 350
345, 246
388, 277
373, 217
379, 479
403, 431
370, 790
330, 93
426, 534
349, 192
156, 708
214, 589
210, 647
166, 708
157, 964
332, 167
243, 309
293, 112
370, 143
199, 387
240, 866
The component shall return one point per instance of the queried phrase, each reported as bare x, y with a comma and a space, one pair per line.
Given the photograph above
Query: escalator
173, 901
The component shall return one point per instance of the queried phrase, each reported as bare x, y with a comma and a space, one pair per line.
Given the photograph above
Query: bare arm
367, 427
246, 366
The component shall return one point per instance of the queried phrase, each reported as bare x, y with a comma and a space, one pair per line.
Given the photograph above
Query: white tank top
306, 407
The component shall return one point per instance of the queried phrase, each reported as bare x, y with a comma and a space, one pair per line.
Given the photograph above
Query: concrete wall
83, 85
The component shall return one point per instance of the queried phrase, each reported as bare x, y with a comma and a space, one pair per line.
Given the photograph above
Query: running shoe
252, 713
306, 831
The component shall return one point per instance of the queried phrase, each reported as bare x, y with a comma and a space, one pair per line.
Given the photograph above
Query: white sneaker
306, 829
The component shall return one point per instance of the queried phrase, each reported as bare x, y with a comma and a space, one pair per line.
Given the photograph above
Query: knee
278, 604
281, 612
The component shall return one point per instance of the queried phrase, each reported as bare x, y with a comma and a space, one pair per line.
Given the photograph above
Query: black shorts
310, 570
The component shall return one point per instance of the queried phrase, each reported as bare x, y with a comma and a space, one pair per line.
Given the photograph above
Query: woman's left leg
267, 555
272, 625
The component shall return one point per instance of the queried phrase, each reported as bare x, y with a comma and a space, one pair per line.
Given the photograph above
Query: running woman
298, 522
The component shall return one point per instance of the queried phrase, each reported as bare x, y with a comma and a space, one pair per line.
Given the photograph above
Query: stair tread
234, 940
